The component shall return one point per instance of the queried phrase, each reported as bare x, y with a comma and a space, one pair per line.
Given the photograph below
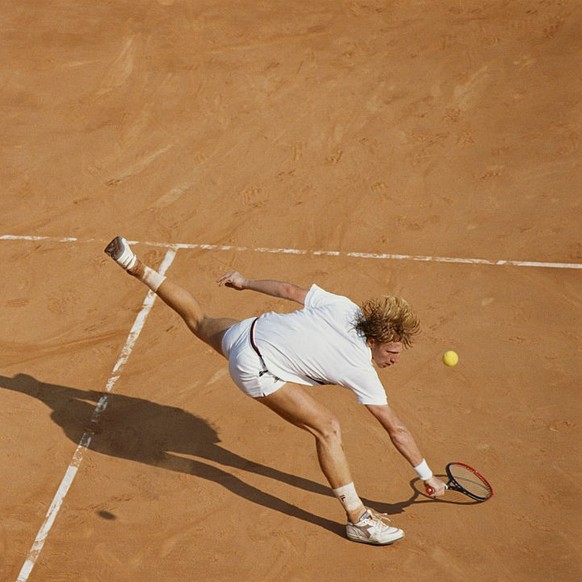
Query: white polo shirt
319, 345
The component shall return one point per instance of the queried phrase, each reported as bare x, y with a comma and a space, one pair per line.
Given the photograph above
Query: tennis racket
467, 481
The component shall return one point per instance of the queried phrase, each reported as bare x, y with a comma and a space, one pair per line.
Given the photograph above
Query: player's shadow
164, 436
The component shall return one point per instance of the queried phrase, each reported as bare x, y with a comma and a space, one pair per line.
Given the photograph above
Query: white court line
85, 441
285, 251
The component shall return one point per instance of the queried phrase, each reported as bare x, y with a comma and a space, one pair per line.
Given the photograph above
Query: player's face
385, 354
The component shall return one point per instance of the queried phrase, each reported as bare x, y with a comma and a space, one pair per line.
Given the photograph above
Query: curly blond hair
388, 319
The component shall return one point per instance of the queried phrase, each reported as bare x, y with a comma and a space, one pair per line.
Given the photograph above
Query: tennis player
330, 340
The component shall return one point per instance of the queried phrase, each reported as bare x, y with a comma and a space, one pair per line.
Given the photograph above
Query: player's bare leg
295, 405
209, 329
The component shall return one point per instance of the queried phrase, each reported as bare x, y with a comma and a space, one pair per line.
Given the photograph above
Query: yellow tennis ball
450, 358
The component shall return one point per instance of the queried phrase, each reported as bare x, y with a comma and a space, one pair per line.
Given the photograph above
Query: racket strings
470, 481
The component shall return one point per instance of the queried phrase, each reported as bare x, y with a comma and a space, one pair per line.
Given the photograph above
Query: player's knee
329, 430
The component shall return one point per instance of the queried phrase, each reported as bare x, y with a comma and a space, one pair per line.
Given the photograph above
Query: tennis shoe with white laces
120, 251
373, 529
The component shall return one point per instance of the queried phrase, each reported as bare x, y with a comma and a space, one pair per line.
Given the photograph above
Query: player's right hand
435, 487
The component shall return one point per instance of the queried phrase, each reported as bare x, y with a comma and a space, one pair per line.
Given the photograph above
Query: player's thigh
297, 406
212, 330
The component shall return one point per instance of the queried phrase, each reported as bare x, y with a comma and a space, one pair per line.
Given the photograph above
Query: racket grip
430, 490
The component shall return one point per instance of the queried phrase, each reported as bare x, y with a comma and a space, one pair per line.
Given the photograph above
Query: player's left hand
234, 280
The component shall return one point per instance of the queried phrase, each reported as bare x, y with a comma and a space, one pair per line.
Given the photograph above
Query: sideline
85, 441
291, 251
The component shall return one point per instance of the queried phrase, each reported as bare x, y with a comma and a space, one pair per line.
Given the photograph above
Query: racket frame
454, 485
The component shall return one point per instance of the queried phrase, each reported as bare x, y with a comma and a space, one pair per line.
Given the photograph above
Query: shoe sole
115, 248
373, 543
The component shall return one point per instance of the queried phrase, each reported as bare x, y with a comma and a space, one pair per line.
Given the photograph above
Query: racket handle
430, 490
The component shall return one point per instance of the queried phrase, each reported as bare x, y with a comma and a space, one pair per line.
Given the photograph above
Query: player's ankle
147, 275
137, 270
355, 515
350, 500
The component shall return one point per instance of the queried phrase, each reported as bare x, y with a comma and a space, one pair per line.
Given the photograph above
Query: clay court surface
355, 144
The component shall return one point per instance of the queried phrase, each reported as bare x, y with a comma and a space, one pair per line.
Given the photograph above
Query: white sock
348, 497
152, 279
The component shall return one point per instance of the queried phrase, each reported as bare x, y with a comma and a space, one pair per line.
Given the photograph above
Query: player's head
388, 319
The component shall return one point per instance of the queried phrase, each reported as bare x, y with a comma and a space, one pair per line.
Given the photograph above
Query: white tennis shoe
373, 529
120, 251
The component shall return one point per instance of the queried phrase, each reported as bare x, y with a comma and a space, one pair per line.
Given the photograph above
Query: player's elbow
294, 293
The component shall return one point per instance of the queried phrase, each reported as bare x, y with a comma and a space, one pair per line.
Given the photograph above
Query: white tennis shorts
244, 364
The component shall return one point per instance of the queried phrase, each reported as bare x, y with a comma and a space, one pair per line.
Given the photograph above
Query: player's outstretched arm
235, 280
404, 442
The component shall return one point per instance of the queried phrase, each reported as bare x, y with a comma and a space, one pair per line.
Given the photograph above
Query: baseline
291, 251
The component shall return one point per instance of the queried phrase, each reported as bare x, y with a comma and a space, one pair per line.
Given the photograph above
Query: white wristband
423, 470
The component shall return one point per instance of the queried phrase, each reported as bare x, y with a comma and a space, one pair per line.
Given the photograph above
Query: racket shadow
419, 496
451, 496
